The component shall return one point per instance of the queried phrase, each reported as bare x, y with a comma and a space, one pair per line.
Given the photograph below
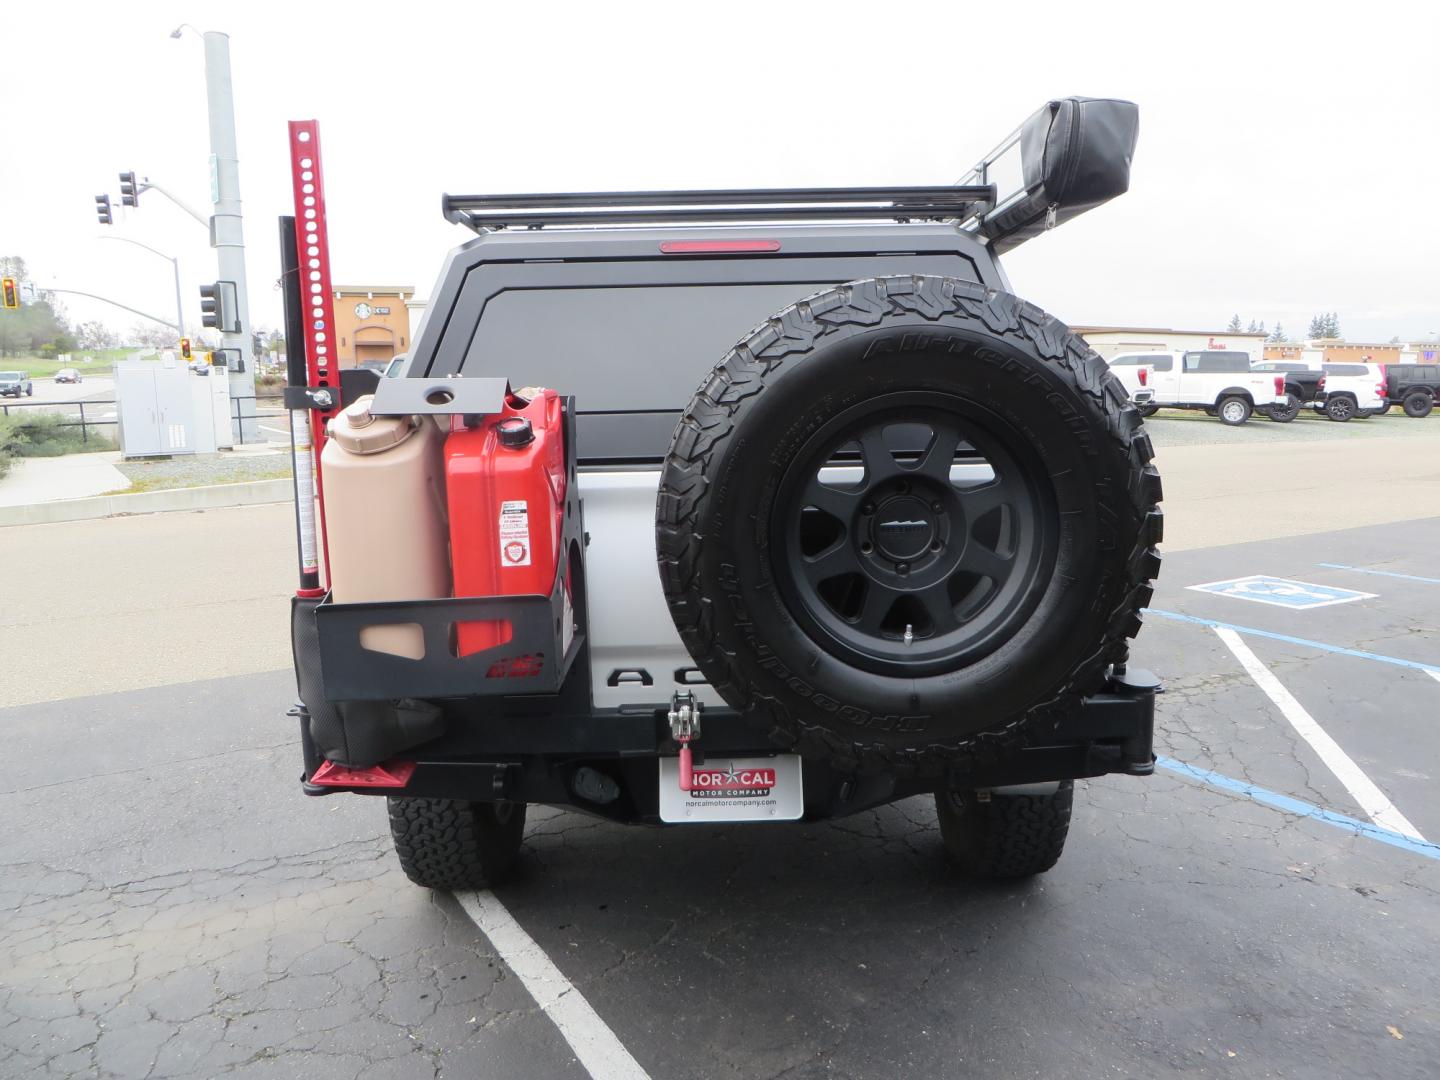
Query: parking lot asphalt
170, 905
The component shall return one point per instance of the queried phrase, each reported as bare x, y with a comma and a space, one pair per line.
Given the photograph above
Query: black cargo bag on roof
1075, 154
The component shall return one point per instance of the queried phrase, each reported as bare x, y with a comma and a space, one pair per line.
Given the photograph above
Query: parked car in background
1303, 384
15, 384
1353, 390
67, 375
1413, 386
1218, 381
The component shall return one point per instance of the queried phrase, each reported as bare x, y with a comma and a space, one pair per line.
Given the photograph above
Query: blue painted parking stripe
1302, 809
1416, 665
1379, 573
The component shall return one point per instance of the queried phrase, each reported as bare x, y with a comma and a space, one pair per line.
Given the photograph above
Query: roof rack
486, 212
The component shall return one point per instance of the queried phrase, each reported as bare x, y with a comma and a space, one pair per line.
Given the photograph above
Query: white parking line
1371, 799
602, 1054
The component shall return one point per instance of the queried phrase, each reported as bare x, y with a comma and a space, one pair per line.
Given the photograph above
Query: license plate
733, 789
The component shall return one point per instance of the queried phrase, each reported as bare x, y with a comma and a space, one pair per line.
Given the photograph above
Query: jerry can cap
515, 432
360, 431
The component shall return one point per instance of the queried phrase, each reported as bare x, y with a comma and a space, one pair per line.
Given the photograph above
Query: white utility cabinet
161, 409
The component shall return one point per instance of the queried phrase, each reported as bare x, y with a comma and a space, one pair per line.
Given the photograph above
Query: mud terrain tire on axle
874, 608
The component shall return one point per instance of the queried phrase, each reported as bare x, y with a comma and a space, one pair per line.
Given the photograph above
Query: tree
1395, 340
1278, 334
40, 327
95, 335
1234, 326
153, 336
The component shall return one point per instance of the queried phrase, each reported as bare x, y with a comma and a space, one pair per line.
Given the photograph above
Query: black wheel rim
913, 534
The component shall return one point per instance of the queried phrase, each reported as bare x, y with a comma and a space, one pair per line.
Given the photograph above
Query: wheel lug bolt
935, 506
903, 568
866, 547
935, 545
868, 508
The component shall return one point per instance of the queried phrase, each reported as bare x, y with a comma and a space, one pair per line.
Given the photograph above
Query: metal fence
264, 407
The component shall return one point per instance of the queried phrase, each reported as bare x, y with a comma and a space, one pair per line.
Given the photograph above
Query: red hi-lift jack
321, 384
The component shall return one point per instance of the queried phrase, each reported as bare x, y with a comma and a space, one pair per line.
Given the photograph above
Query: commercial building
1331, 351
372, 322
1111, 341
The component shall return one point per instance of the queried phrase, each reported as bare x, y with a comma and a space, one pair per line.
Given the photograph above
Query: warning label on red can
514, 533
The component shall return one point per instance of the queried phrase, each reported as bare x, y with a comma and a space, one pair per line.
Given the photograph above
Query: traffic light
210, 306
185, 348
12, 293
129, 192
102, 209
219, 308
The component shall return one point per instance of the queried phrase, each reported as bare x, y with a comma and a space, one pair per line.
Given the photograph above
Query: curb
211, 497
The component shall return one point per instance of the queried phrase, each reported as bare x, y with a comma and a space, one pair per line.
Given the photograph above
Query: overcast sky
1289, 155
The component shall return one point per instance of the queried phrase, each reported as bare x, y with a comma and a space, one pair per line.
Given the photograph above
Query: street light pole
226, 230
149, 185
175, 265
117, 303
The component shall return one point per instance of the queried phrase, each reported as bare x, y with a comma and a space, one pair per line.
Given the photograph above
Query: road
91, 389
172, 906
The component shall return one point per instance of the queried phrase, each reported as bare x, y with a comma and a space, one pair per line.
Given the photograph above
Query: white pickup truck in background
1218, 381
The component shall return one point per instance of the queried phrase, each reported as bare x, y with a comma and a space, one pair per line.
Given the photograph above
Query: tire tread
1008, 836
452, 844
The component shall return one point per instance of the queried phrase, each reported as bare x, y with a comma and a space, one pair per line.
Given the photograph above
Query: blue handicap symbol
1282, 592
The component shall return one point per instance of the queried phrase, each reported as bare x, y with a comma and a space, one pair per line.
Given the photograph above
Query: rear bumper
538, 750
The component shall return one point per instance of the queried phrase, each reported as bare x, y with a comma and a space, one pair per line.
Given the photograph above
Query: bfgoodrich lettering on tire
909, 521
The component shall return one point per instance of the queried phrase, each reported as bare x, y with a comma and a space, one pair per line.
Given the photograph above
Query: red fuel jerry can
505, 484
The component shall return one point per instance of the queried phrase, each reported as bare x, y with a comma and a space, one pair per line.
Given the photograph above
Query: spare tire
909, 521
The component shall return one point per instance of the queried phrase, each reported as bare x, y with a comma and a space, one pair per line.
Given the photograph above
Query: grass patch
102, 361
204, 470
44, 436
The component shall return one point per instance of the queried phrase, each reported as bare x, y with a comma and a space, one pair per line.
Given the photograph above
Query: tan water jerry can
385, 522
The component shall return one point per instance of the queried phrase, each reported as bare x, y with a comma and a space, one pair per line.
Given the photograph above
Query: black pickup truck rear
1303, 385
